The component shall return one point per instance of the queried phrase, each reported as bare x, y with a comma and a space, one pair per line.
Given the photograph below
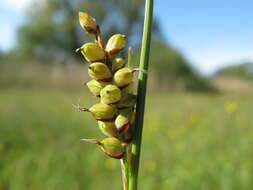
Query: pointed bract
113, 147
103, 112
88, 23
123, 77
110, 94
99, 71
115, 44
92, 52
108, 128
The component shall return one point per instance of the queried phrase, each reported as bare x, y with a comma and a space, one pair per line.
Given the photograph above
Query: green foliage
168, 61
184, 147
172, 71
243, 70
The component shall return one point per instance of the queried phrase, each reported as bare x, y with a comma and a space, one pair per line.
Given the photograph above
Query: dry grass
232, 85
56, 76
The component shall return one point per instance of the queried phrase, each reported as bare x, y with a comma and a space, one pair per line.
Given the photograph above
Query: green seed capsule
103, 112
96, 86
110, 94
108, 128
127, 101
115, 44
122, 123
123, 77
117, 64
88, 23
92, 52
99, 71
129, 89
112, 147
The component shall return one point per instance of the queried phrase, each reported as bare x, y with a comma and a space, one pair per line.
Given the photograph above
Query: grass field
191, 142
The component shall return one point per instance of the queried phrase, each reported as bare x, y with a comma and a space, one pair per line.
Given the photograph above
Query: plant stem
125, 167
141, 95
124, 172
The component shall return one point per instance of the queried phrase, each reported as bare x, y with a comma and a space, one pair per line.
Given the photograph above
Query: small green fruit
117, 64
92, 52
99, 71
115, 44
112, 147
110, 94
88, 23
123, 77
108, 128
103, 112
96, 86
129, 89
127, 101
122, 123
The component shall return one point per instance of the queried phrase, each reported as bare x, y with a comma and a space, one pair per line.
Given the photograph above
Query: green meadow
191, 141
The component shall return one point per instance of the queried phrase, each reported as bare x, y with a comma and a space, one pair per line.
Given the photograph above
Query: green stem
141, 95
124, 172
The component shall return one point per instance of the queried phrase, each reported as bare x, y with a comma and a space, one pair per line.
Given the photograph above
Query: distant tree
52, 30
241, 70
1, 54
172, 70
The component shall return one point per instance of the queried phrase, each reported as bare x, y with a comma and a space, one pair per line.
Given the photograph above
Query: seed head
108, 128
113, 147
115, 44
113, 84
99, 71
117, 64
92, 52
88, 23
110, 94
123, 77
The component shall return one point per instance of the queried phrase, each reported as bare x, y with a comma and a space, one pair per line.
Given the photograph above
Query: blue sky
210, 33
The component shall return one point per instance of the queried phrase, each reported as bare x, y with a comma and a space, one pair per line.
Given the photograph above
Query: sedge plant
119, 111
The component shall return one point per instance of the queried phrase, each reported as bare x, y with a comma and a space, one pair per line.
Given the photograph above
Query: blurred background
198, 131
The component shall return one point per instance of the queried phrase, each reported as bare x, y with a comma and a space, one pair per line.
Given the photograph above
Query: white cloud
211, 59
212, 64
17, 5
